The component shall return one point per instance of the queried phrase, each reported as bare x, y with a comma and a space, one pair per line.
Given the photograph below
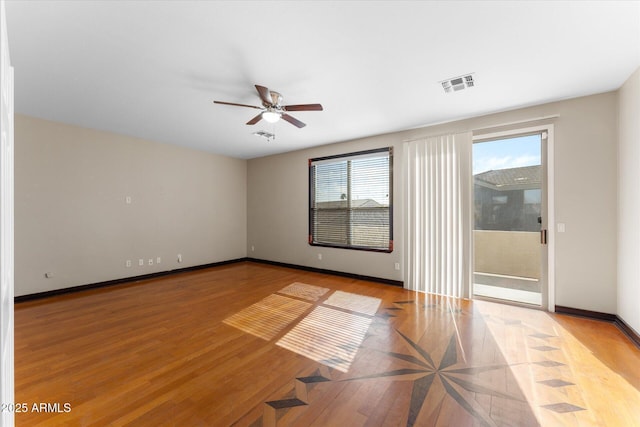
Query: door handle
543, 236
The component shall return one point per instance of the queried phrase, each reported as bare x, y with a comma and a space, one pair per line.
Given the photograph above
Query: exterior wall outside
509, 253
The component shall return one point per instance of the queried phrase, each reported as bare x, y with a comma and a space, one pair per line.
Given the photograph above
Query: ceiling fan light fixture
272, 110
271, 116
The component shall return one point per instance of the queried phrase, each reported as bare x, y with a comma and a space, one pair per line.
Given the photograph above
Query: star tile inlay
445, 373
438, 373
544, 348
549, 363
556, 383
563, 407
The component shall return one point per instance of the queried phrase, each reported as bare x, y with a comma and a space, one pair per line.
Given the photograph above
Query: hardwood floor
256, 345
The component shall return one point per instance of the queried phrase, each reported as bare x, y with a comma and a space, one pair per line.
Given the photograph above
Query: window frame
389, 151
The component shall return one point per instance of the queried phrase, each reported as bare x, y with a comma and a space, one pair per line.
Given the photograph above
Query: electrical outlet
150, 261
140, 262
320, 256
158, 260
179, 257
127, 200
128, 263
397, 266
253, 248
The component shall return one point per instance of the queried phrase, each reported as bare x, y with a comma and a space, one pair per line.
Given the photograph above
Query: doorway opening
510, 217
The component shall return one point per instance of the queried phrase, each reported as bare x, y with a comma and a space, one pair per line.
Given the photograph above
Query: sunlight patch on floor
269, 316
304, 291
331, 334
508, 294
328, 336
354, 302
557, 373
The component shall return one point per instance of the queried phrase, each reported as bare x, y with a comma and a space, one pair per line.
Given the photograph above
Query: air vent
268, 136
456, 84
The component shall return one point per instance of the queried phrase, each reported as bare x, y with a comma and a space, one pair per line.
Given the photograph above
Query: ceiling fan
272, 108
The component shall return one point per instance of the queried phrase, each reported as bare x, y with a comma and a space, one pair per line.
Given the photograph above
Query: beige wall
629, 203
278, 213
585, 200
71, 218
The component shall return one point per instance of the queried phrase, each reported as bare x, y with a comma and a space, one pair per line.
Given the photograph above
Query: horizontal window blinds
351, 200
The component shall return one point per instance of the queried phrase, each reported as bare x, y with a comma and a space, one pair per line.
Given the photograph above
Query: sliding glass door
509, 218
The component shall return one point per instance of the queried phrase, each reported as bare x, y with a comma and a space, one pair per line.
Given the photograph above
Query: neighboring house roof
522, 178
342, 204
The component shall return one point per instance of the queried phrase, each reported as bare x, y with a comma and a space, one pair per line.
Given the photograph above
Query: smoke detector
456, 84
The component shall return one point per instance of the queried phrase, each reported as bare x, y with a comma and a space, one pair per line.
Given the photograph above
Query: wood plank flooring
249, 344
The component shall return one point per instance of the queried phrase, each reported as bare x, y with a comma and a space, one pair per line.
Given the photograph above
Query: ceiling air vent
458, 83
268, 136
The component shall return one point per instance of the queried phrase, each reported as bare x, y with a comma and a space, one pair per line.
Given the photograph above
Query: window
350, 200
508, 182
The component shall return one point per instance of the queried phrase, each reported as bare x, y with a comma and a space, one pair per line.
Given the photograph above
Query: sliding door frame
548, 171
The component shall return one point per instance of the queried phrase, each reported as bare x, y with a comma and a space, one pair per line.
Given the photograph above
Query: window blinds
350, 200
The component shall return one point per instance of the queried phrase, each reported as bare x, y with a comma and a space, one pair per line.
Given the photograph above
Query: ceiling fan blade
255, 120
265, 95
293, 120
303, 107
237, 105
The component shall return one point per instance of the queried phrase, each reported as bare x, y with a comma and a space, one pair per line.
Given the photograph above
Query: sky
506, 153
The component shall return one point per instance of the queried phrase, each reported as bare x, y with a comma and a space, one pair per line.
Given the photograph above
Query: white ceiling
151, 69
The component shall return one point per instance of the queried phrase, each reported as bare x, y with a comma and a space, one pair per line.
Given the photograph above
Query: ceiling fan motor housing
276, 98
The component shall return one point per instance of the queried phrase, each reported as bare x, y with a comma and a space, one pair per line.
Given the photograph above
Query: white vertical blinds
438, 215
350, 200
